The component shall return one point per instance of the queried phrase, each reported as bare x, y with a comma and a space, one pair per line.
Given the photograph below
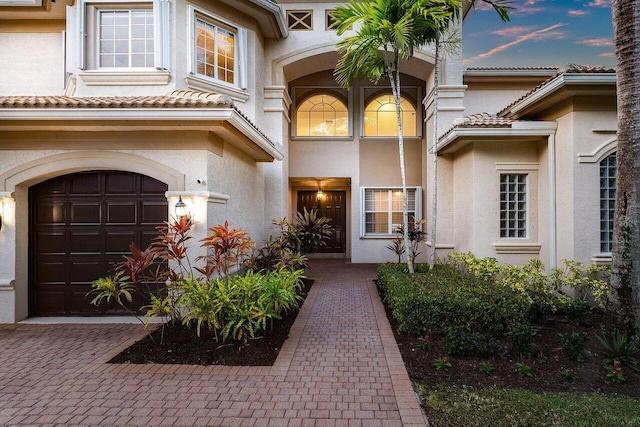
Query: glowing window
215, 51
322, 115
380, 117
608, 172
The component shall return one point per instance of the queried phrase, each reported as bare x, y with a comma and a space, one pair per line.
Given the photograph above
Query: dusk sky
540, 33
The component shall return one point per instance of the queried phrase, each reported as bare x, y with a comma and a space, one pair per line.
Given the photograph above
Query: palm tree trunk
434, 213
394, 78
625, 272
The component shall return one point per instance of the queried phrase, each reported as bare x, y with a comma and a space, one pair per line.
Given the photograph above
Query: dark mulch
545, 366
181, 345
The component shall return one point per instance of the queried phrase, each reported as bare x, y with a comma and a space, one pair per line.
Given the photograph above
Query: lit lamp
320, 193
181, 208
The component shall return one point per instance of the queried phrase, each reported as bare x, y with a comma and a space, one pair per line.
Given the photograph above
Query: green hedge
433, 302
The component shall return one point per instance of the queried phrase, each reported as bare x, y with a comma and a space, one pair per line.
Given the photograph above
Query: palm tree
390, 31
625, 272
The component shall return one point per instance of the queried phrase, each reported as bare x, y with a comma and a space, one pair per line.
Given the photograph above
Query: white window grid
382, 209
608, 173
215, 51
513, 205
126, 38
323, 115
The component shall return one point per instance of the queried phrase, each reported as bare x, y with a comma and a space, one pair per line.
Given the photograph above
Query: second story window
125, 38
217, 55
322, 115
380, 118
118, 37
215, 51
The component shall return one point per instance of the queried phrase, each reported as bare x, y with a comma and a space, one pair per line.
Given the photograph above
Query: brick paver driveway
340, 366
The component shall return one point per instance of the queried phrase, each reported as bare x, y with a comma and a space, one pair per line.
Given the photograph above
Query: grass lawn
460, 406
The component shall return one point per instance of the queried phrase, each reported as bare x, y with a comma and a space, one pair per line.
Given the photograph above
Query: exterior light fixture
181, 208
0, 220
320, 193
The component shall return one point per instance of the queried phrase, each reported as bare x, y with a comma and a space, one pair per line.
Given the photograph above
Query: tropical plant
389, 31
227, 249
575, 345
415, 238
620, 348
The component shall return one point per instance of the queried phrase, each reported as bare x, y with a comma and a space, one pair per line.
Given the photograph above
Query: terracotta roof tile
480, 120
176, 99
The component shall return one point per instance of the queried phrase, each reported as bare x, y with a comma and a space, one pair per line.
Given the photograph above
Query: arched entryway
80, 225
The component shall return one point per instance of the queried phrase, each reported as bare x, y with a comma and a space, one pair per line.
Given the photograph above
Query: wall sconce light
181, 209
320, 193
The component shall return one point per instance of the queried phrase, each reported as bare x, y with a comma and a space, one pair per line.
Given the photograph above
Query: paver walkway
340, 367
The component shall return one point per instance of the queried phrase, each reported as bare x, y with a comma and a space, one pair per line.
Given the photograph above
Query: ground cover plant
219, 304
545, 345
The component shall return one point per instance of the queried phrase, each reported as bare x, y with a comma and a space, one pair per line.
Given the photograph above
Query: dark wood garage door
80, 226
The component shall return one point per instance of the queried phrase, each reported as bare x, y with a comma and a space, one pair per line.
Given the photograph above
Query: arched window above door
380, 117
322, 115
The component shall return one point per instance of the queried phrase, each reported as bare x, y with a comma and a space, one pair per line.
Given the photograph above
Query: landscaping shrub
464, 343
620, 349
521, 337
444, 297
575, 309
574, 344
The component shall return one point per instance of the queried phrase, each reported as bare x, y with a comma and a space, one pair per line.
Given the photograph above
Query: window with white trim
119, 36
382, 209
513, 205
608, 173
218, 54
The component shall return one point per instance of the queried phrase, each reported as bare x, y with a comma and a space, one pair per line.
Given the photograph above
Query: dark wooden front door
334, 206
80, 226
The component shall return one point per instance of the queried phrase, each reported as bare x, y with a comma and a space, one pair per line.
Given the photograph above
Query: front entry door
333, 205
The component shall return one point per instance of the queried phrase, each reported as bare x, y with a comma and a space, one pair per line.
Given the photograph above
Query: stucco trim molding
600, 260
197, 83
125, 78
7, 284
211, 196
517, 166
599, 153
516, 248
46, 167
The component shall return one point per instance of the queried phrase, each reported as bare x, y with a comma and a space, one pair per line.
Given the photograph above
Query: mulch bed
181, 345
545, 367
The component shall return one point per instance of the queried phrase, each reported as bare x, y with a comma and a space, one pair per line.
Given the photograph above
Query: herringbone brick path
340, 367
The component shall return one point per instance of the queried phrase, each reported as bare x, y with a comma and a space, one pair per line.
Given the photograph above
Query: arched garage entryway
80, 225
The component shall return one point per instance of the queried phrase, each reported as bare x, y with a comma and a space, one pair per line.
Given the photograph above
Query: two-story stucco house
112, 111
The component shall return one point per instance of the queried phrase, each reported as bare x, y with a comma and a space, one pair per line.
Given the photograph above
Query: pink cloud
600, 42
542, 34
579, 12
513, 31
601, 3
608, 55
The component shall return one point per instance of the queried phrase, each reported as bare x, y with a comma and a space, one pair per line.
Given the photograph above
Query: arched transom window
380, 117
322, 115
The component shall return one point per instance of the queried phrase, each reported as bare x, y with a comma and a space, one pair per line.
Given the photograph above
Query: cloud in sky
542, 34
513, 31
578, 12
601, 3
608, 55
599, 42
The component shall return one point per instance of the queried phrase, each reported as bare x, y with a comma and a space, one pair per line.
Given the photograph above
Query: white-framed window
513, 205
608, 173
382, 209
119, 36
322, 115
380, 118
218, 54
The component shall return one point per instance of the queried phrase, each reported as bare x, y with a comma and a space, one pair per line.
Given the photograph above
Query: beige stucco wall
40, 71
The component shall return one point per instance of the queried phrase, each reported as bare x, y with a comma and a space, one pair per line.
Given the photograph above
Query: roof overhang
560, 88
460, 137
225, 123
269, 15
